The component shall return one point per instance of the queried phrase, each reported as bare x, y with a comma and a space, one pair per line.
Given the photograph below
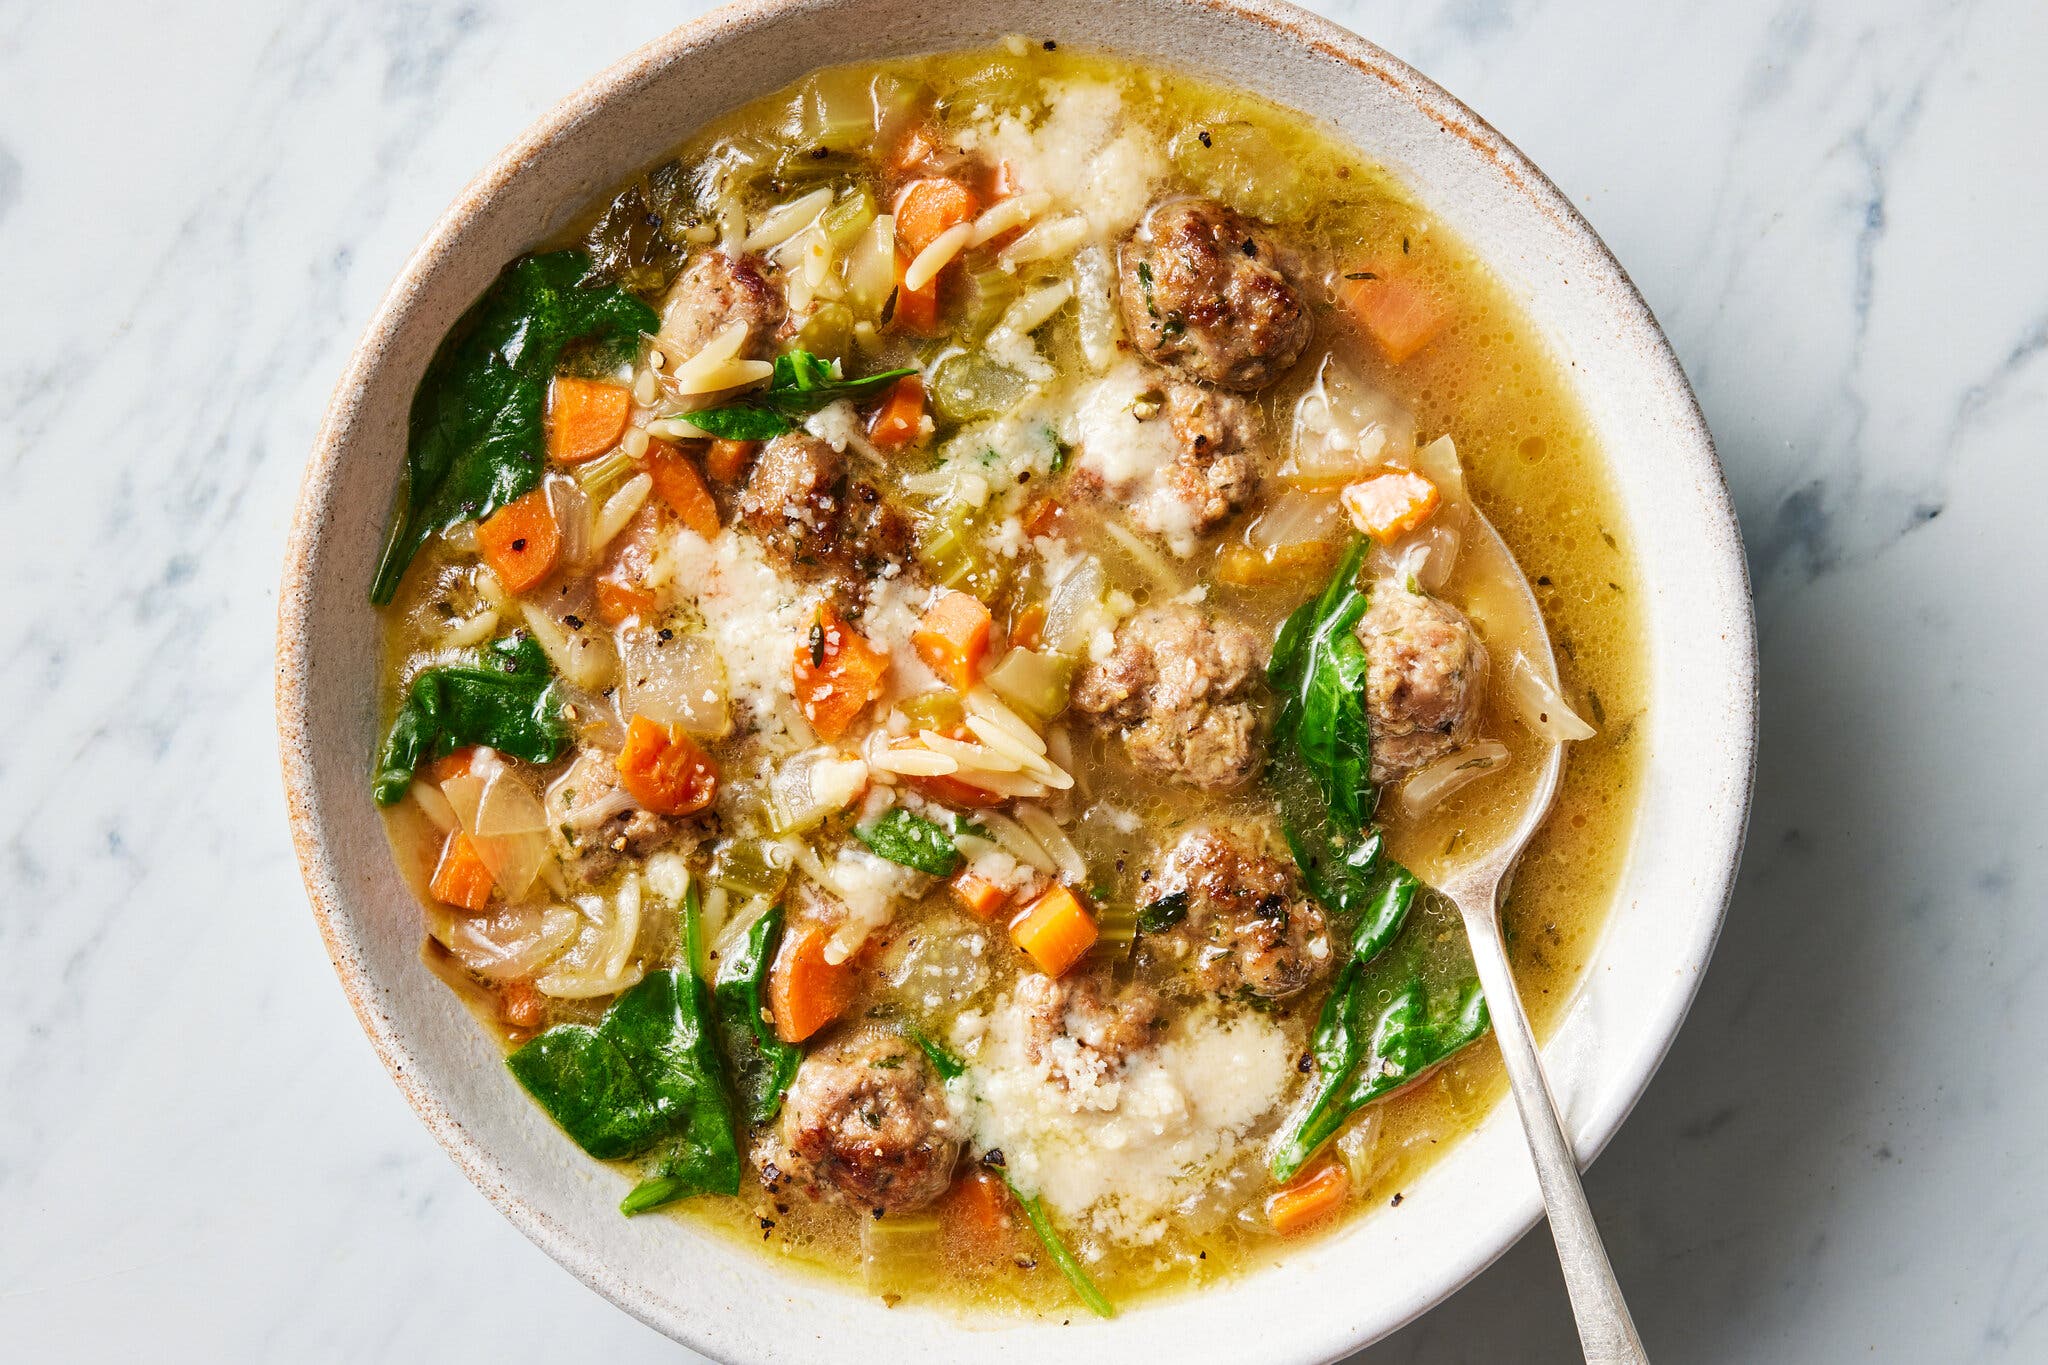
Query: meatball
1216, 470
593, 822
864, 1121
1245, 928
1081, 1028
1425, 676
800, 503
792, 496
1205, 289
1178, 685
715, 291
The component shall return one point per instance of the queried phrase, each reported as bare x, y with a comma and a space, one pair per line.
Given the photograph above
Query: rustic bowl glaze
1331, 1296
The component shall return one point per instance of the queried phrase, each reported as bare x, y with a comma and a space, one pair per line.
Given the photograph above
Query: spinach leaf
1388, 1019
476, 438
1162, 914
801, 384
646, 1072
1318, 671
762, 1064
911, 840
508, 699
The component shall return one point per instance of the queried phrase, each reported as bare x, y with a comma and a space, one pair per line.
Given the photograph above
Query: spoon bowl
1475, 885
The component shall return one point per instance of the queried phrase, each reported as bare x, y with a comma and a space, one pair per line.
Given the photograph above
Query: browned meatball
1178, 684
1081, 1027
1245, 927
792, 497
593, 823
1425, 677
1205, 289
864, 1121
715, 291
1217, 469
808, 515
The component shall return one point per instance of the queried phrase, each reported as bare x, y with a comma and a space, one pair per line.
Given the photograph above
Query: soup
935, 644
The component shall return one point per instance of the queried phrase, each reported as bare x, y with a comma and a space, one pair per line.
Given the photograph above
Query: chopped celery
968, 386
933, 710
752, 867
990, 290
834, 109
828, 332
1032, 681
899, 1253
848, 217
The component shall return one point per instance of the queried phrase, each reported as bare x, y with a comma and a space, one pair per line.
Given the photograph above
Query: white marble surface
1835, 208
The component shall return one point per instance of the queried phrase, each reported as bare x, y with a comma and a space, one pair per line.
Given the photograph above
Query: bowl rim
1321, 36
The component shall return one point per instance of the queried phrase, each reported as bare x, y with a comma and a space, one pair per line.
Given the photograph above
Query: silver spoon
1606, 1331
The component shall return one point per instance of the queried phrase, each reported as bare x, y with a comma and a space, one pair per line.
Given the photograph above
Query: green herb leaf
762, 1064
477, 439
648, 1071
945, 1063
911, 840
507, 699
1162, 914
801, 384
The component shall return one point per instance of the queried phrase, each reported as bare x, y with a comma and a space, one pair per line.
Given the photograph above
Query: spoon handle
1606, 1331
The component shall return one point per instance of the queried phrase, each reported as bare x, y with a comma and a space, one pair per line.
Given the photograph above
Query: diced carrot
662, 768
1045, 518
837, 673
726, 460
1027, 628
806, 992
619, 601
900, 419
520, 1004
677, 483
1309, 1199
925, 208
952, 637
978, 1215
916, 311
586, 417
460, 878
1391, 504
951, 791
981, 896
1055, 931
1245, 567
454, 763
520, 541
1399, 315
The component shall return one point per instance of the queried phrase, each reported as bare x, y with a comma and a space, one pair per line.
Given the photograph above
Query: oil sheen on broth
1018, 469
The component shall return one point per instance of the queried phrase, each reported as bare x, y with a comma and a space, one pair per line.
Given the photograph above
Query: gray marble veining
1835, 208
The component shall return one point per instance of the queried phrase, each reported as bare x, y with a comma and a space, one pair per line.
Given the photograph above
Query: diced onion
1438, 462
508, 806
511, 941
1358, 1147
598, 962
1539, 706
1299, 516
899, 1251
814, 785
1343, 428
1032, 681
678, 681
1430, 786
936, 256
571, 508
1074, 610
434, 806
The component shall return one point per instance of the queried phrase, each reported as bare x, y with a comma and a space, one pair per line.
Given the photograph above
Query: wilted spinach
910, 839
762, 1064
507, 699
476, 439
648, 1072
801, 384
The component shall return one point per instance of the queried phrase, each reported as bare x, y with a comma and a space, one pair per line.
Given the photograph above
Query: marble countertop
1835, 209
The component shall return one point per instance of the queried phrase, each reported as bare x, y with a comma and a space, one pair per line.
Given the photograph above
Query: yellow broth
1531, 466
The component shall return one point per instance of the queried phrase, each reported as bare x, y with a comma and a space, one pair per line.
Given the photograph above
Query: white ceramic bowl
1338, 1293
